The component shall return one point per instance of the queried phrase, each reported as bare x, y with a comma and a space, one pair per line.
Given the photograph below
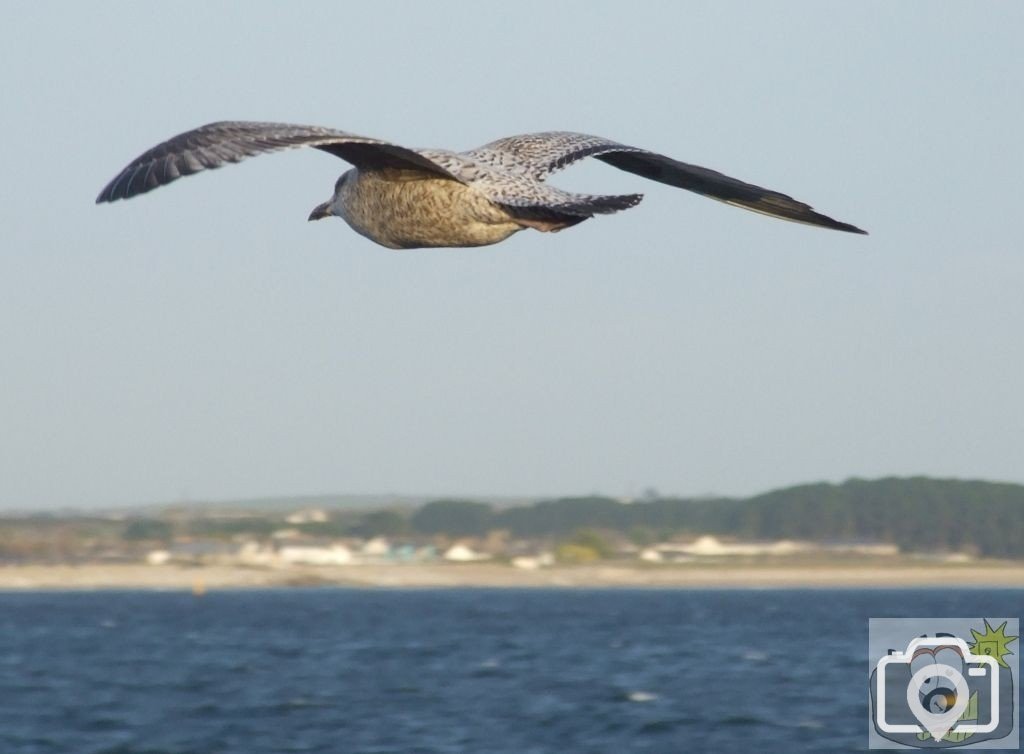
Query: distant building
194, 553
255, 554
378, 547
298, 554
308, 516
461, 553
533, 562
709, 546
651, 555
877, 549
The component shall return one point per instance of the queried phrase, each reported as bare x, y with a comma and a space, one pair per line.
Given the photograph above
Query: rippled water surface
467, 670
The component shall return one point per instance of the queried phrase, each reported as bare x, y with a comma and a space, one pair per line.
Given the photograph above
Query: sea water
447, 670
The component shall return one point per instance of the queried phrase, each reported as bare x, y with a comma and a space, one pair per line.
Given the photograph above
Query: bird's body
405, 198
408, 209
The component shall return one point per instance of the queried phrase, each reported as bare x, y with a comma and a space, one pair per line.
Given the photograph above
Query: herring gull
406, 198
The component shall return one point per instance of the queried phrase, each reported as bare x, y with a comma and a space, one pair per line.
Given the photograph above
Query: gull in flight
406, 198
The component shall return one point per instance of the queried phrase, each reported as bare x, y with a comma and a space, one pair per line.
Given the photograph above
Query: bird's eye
340, 182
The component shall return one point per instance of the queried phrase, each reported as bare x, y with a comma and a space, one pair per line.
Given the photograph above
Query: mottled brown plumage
412, 209
409, 198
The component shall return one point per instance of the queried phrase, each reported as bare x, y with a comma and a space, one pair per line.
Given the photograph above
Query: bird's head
336, 202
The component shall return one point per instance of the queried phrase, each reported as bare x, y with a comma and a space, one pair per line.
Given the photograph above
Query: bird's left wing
541, 154
217, 144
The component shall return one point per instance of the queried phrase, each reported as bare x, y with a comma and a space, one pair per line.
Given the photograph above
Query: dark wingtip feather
810, 217
715, 185
109, 193
825, 221
784, 207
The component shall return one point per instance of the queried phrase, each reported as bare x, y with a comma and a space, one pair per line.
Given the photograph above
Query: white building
709, 546
308, 516
651, 555
378, 547
460, 553
533, 562
296, 554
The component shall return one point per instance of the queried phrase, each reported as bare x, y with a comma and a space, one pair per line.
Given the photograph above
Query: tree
148, 529
382, 524
458, 518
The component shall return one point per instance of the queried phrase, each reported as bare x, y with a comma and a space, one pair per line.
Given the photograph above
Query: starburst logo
993, 643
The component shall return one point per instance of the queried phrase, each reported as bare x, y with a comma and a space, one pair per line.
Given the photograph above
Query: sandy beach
692, 576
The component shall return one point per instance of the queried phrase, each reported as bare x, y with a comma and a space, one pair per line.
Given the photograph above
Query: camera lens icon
937, 693
937, 709
938, 690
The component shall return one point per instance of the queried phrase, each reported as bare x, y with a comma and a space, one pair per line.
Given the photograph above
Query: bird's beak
320, 211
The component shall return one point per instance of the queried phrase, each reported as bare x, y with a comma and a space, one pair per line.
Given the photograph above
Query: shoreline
492, 575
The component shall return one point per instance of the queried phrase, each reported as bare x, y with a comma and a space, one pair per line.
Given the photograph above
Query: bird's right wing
217, 144
540, 154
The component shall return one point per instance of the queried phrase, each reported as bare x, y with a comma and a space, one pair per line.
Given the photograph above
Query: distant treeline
918, 514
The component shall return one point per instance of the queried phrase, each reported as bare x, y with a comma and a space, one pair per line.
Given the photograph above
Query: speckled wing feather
515, 188
541, 154
540, 196
217, 144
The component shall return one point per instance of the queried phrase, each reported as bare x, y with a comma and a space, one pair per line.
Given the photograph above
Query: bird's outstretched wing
217, 144
541, 154
519, 190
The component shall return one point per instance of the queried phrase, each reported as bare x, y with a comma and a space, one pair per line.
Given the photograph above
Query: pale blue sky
205, 341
